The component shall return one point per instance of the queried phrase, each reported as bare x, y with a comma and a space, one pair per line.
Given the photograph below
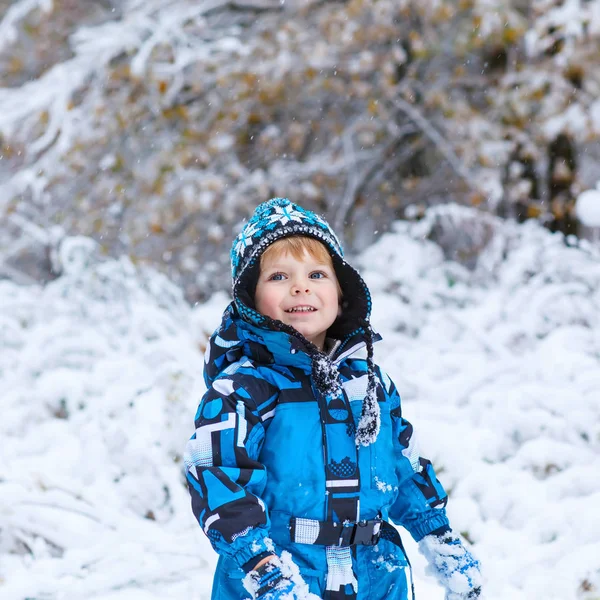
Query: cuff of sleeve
435, 522
249, 566
441, 531
254, 548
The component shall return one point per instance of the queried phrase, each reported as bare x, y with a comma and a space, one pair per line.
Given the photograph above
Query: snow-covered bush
97, 380
498, 365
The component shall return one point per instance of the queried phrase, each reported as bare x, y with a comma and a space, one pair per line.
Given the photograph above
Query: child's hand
277, 579
453, 565
268, 581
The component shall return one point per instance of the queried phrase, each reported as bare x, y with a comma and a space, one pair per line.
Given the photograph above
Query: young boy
301, 456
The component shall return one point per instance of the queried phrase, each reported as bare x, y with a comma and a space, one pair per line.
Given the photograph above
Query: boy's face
301, 293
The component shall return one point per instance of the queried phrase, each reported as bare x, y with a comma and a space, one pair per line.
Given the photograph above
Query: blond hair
297, 246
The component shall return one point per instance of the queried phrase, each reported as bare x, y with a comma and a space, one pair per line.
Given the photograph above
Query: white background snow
499, 369
587, 207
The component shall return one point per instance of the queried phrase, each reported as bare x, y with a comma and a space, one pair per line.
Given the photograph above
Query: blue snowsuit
272, 457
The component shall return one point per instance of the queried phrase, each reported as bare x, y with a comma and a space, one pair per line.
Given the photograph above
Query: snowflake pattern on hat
275, 219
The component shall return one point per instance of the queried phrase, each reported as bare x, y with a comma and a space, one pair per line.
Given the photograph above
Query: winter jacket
270, 449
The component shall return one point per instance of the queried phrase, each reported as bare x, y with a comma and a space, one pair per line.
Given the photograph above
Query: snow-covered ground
499, 367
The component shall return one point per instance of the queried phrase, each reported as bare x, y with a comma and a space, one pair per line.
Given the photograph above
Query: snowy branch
15, 14
437, 139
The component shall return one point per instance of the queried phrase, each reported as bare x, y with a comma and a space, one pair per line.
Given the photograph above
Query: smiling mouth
301, 309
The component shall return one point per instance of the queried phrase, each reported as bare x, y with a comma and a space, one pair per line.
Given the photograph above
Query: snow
574, 120
382, 485
587, 207
498, 367
457, 569
289, 570
8, 30
595, 116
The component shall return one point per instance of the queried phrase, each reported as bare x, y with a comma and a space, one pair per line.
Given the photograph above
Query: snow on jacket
269, 447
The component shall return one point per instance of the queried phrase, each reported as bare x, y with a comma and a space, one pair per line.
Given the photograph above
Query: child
301, 455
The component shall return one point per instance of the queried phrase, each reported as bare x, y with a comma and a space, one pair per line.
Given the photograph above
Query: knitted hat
272, 221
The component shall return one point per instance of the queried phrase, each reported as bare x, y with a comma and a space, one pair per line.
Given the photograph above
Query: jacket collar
236, 337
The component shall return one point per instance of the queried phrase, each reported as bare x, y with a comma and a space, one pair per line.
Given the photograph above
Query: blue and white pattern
275, 219
273, 581
356, 389
340, 575
244, 239
453, 565
307, 531
261, 416
285, 214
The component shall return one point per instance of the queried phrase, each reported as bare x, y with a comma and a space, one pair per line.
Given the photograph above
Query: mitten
453, 565
277, 579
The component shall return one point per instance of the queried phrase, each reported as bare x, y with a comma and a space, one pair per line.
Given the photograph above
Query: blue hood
235, 338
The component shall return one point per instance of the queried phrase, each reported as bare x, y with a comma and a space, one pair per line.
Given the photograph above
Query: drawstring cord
370, 418
326, 378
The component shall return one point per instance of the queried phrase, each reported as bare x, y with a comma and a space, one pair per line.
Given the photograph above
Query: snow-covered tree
156, 126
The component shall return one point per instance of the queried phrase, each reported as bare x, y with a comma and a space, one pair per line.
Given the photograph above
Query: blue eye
276, 277
317, 275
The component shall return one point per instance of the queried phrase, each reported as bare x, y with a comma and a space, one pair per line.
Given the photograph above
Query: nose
300, 286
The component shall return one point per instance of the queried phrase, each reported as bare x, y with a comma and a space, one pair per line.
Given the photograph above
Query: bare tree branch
438, 140
358, 180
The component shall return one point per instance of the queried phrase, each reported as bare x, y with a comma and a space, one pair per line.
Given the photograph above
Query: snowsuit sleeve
420, 504
224, 477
